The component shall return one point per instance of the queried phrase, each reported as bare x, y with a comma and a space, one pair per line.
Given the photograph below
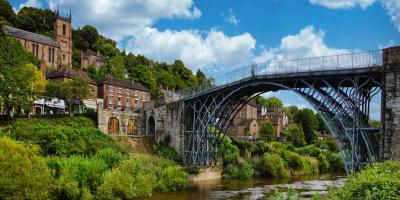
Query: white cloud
307, 43
124, 18
343, 4
393, 9
29, 3
231, 18
215, 49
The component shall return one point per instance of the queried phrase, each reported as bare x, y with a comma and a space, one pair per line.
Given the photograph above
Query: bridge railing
281, 67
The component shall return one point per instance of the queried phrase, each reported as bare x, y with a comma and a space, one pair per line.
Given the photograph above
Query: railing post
323, 62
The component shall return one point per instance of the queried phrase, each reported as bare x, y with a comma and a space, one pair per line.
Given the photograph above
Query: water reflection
256, 188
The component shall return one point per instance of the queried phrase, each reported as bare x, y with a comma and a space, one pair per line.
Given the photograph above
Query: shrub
293, 160
324, 165
139, 176
243, 169
274, 166
335, 161
80, 174
310, 166
380, 181
110, 156
168, 152
23, 174
229, 152
61, 140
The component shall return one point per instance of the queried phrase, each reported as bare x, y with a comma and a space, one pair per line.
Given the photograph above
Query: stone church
55, 52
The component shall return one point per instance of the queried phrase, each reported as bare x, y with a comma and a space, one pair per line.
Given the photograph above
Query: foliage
7, 15
295, 135
116, 66
110, 156
380, 181
321, 126
168, 152
36, 20
271, 102
273, 165
61, 140
308, 122
69, 91
23, 174
268, 130
139, 176
17, 85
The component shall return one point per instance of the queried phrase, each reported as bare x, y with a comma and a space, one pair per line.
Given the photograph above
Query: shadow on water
255, 188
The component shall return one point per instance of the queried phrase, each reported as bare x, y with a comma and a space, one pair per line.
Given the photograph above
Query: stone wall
169, 121
123, 117
389, 146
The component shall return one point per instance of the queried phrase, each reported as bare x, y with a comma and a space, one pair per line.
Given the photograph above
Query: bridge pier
389, 146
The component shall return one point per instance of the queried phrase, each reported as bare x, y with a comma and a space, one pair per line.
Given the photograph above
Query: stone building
90, 58
247, 128
55, 52
245, 123
248, 111
276, 116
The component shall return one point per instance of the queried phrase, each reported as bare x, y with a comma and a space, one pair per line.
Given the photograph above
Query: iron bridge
338, 87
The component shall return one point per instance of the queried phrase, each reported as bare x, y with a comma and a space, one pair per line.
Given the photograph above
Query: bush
243, 169
61, 140
301, 165
273, 165
23, 174
324, 165
380, 181
168, 152
80, 174
110, 156
139, 176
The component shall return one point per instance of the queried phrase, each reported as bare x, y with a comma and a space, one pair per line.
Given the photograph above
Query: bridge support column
389, 147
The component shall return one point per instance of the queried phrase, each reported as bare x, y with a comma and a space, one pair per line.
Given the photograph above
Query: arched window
113, 126
64, 29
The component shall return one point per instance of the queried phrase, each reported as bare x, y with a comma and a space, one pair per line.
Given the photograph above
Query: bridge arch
150, 126
342, 102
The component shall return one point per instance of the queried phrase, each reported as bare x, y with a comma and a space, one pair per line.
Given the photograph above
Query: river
255, 188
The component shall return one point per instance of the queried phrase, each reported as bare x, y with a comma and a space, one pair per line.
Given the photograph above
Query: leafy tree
295, 135
321, 126
308, 122
36, 20
116, 66
273, 102
143, 74
89, 34
7, 15
93, 73
18, 88
268, 131
23, 173
106, 47
166, 79
69, 91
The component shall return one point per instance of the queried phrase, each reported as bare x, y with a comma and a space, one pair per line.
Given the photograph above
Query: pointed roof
26, 35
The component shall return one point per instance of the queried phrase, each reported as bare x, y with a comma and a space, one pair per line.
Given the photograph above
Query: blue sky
220, 35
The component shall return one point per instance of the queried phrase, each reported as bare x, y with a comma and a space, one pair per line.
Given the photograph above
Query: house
54, 52
244, 124
122, 94
65, 75
247, 128
90, 58
276, 116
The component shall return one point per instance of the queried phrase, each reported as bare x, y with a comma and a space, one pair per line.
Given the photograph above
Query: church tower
63, 36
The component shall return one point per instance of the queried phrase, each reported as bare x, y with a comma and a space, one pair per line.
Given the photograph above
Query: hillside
140, 69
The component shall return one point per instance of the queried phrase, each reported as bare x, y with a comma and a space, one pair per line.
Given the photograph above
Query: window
111, 89
50, 51
64, 29
119, 100
63, 56
135, 93
52, 55
110, 100
119, 90
127, 102
35, 49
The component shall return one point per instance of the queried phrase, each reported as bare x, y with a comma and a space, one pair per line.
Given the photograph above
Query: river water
255, 188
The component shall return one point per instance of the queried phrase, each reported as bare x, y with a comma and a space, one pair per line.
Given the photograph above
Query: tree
20, 81
89, 34
143, 74
268, 131
75, 89
321, 126
273, 102
36, 20
116, 66
295, 135
308, 122
7, 15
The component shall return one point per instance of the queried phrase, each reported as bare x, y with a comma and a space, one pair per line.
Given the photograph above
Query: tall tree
7, 15
268, 131
17, 75
36, 20
295, 135
308, 122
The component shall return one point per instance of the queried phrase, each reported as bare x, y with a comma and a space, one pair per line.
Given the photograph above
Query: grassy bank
68, 158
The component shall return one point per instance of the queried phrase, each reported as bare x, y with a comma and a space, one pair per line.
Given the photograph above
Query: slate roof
69, 73
123, 83
26, 35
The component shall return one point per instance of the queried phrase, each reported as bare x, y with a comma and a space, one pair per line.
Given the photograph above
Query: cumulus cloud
214, 49
231, 18
124, 18
30, 3
343, 4
307, 43
393, 9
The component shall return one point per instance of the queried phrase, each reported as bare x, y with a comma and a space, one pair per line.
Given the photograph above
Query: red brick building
122, 94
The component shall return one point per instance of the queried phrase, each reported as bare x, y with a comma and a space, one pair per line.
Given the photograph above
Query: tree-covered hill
150, 73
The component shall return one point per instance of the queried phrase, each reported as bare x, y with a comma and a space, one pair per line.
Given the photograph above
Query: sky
218, 36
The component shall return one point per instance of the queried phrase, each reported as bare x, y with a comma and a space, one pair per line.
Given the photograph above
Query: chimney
43, 69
